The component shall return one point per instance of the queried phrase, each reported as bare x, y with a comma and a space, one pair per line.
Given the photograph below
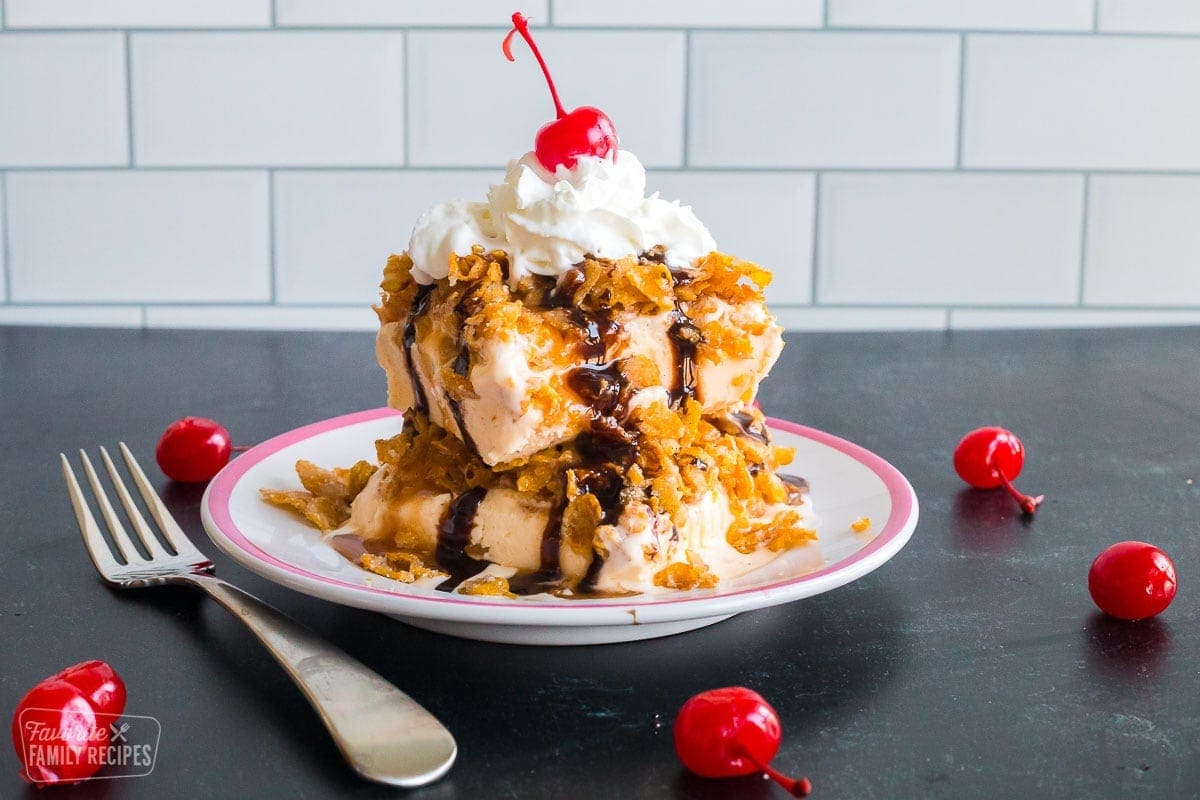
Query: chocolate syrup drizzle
420, 305
797, 487
743, 423
461, 366
607, 448
548, 576
598, 327
752, 427
454, 534
685, 337
604, 482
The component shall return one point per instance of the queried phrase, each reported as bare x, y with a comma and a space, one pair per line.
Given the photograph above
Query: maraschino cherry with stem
733, 731
586, 131
990, 457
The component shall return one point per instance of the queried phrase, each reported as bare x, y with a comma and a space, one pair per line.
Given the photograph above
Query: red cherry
586, 131
193, 449
990, 457
56, 734
1132, 580
99, 683
732, 731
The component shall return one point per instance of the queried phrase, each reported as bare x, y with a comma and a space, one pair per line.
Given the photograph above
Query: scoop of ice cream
549, 222
509, 527
504, 424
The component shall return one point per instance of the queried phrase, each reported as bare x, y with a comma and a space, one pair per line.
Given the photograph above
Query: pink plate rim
216, 510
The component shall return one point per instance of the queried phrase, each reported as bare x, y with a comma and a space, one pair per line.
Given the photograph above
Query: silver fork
384, 734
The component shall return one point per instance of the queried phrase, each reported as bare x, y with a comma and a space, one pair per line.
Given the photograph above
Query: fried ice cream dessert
576, 364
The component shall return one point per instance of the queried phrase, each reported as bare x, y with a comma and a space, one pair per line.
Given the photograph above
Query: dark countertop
972, 665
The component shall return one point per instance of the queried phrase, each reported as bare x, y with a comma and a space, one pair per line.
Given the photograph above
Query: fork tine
120, 537
144, 531
93, 539
166, 523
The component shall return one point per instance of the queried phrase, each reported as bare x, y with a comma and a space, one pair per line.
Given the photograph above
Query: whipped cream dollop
547, 223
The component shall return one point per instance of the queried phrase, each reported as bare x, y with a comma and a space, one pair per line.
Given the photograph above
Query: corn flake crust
399, 565
680, 454
476, 303
325, 501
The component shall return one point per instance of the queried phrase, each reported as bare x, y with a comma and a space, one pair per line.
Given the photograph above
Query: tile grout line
815, 257
271, 233
550, 12
687, 98
405, 83
4, 249
1083, 237
145, 315
825, 14
273, 17
129, 98
790, 306
1095, 16
700, 168
750, 29
962, 95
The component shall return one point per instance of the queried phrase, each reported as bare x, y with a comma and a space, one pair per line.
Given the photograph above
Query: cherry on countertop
990, 457
732, 731
1132, 580
193, 449
64, 707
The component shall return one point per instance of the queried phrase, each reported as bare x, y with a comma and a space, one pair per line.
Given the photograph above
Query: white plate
847, 482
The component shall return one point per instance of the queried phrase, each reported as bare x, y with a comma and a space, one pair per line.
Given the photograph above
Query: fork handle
384, 734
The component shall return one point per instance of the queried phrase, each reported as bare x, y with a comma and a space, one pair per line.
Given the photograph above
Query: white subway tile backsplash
969, 239
312, 318
823, 99
991, 318
335, 230
76, 316
1100, 102
405, 12
860, 318
272, 98
470, 107
1143, 243
118, 236
305, 152
62, 99
766, 218
1054, 15
1150, 16
136, 13
691, 13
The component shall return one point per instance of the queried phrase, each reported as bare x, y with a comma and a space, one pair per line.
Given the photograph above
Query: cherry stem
796, 788
239, 448
521, 26
1028, 504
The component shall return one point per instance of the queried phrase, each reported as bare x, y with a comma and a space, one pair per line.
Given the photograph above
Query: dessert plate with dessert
851, 487
573, 451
